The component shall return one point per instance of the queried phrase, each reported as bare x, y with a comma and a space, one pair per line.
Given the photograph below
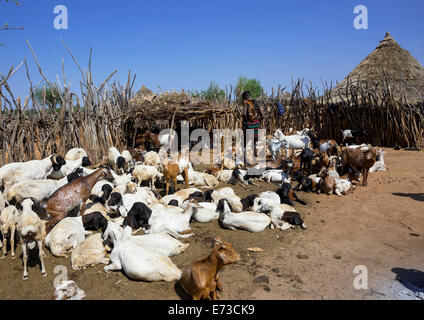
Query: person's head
246, 95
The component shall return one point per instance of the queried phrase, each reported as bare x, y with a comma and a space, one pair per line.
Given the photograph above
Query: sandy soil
380, 227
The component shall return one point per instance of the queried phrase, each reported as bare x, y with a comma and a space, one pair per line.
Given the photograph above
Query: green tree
252, 85
52, 96
211, 93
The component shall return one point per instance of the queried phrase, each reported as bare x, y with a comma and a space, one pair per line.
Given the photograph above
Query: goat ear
224, 258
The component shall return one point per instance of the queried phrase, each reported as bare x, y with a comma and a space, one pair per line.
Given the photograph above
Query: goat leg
255, 184
4, 244
167, 187
218, 284
25, 259
241, 184
42, 255
12, 242
365, 177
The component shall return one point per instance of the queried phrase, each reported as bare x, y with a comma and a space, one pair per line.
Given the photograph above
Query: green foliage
52, 96
252, 85
213, 92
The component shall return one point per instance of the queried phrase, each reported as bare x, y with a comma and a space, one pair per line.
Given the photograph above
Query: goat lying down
225, 193
278, 176
138, 262
88, 253
248, 220
379, 165
205, 211
69, 232
68, 290
171, 220
15, 172
200, 179
283, 216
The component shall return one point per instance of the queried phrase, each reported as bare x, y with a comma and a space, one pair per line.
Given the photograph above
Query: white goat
266, 201
89, 253
65, 236
97, 188
277, 213
152, 158
68, 168
363, 147
143, 194
129, 187
37, 190
248, 220
9, 219
131, 163
293, 142
68, 290
206, 211
2, 201
15, 172
343, 186
120, 180
165, 200
224, 175
116, 161
136, 261
332, 170
274, 147
171, 220
278, 176
32, 231
379, 165
75, 154
161, 243
145, 172
185, 193
228, 193
200, 179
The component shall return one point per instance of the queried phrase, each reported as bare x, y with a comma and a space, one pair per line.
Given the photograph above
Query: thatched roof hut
390, 63
165, 106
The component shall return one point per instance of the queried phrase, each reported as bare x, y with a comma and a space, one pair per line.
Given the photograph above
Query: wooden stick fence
104, 116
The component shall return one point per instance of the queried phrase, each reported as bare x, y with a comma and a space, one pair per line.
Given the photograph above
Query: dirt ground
380, 227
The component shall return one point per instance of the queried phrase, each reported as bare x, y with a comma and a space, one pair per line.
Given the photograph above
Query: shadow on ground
415, 196
410, 278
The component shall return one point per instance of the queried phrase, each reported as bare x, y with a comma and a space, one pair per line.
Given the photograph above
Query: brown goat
72, 195
137, 153
170, 172
200, 279
153, 138
359, 160
324, 159
327, 184
212, 170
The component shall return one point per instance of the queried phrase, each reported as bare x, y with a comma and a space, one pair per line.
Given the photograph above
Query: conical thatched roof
391, 62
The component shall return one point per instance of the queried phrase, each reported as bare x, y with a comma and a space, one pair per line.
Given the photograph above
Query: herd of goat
61, 203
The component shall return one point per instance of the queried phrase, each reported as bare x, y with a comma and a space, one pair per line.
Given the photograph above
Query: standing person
252, 117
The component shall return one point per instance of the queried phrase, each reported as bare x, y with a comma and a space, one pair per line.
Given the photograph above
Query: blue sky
186, 44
